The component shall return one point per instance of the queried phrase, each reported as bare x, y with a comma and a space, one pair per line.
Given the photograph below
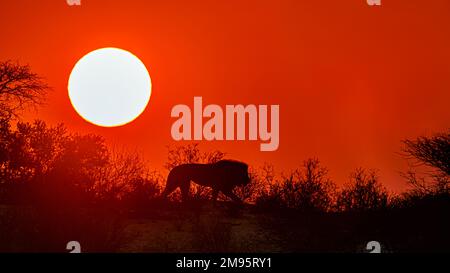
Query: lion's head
236, 171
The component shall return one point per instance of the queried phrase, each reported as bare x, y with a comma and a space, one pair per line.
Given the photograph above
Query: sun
109, 87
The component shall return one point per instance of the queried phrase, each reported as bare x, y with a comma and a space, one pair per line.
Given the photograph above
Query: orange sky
351, 80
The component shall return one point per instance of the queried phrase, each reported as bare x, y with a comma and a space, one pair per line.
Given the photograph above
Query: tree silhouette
46, 163
19, 87
42, 163
432, 151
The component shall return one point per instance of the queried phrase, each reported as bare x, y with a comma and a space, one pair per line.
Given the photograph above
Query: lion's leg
185, 190
233, 196
170, 187
166, 192
172, 183
215, 193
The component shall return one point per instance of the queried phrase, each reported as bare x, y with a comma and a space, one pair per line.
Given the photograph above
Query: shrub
364, 192
306, 189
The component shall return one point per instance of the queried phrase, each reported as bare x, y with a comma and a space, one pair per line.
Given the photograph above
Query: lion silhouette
221, 176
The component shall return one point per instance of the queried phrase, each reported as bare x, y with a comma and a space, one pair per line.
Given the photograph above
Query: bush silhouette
307, 189
364, 192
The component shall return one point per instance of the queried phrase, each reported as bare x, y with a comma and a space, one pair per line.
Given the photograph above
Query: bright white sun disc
109, 87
